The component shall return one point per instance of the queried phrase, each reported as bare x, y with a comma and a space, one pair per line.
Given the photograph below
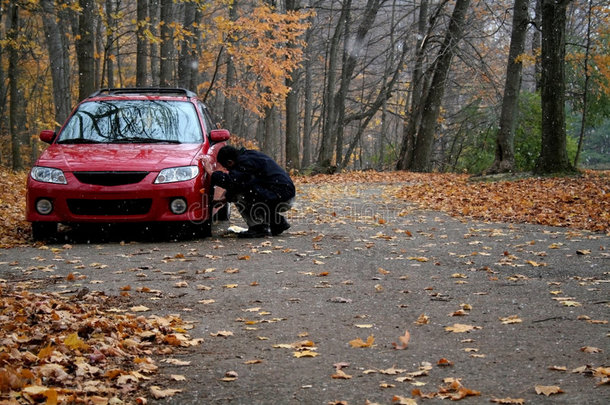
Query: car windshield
133, 121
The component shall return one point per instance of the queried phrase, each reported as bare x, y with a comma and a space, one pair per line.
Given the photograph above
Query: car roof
144, 91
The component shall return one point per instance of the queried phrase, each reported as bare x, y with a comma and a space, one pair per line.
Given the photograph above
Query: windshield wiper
77, 141
144, 140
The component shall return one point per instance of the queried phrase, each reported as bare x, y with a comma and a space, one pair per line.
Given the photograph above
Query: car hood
119, 157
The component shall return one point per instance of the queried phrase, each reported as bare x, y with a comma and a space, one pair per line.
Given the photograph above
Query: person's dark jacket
257, 175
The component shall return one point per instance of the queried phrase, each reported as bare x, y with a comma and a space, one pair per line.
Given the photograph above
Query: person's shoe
277, 229
258, 231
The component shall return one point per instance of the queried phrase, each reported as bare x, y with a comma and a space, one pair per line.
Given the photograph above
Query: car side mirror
47, 135
219, 135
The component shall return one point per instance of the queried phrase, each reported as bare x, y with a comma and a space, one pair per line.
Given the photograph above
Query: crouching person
259, 187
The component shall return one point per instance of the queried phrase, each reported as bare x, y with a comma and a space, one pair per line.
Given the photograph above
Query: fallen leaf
139, 308
359, 343
511, 320
403, 400
222, 333
404, 341
508, 401
305, 353
548, 390
443, 362
460, 328
158, 392
590, 349
341, 375
422, 320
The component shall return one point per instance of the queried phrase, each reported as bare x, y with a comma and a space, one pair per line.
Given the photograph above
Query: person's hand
207, 165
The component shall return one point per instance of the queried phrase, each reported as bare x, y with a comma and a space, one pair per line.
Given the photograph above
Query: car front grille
139, 206
110, 178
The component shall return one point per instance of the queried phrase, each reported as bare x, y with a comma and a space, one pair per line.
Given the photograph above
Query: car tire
224, 214
43, 230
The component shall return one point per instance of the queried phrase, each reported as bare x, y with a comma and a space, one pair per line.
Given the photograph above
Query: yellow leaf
360, 343
510, 320
74, 342
341, 375
548, 390
305, 353
460, 328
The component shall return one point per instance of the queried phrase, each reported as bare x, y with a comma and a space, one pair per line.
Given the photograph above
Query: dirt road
501, 308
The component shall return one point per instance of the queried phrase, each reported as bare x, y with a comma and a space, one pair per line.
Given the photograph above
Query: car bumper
145, 201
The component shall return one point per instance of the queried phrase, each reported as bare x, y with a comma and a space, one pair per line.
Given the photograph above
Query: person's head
227, 156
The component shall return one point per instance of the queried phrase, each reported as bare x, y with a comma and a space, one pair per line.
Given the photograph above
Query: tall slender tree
434, 96
292, 106
141, 42
505, 149
59, 61
85, 51
166, 19
13, 32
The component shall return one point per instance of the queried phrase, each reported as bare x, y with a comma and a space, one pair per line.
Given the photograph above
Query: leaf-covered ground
581, 202
80, 349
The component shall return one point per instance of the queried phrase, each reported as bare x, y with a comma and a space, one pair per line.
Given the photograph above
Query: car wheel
224, 214
43, 230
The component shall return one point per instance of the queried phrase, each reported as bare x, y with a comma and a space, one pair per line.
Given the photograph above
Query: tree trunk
536, 42
326, 145
85, 49
141, 43
308, 107
13, 77
153, 13
505, 149
292, 107
585, 97
553, 154
167, 43
434, 97
229, 107
59, 62
187, 63
405, 156
109, 54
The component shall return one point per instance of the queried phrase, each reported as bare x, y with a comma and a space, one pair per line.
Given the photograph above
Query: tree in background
248, 60
505, 149
434, 95
553, 153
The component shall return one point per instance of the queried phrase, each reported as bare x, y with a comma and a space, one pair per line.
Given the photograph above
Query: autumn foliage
79, 349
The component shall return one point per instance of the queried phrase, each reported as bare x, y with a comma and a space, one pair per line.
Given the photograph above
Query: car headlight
175, 174
48, 175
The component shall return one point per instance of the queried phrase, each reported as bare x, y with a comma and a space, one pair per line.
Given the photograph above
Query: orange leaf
359, 343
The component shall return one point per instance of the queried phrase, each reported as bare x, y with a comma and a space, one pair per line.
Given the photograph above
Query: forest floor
388, 288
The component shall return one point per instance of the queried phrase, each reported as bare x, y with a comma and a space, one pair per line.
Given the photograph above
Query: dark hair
227, 153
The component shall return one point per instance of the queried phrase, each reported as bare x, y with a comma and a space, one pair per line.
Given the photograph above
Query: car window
133, 121
207, 120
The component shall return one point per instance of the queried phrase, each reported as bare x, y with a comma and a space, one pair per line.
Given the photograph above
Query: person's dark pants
259, 206
262, 207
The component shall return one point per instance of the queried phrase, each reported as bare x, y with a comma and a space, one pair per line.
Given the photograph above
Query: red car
127, 155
